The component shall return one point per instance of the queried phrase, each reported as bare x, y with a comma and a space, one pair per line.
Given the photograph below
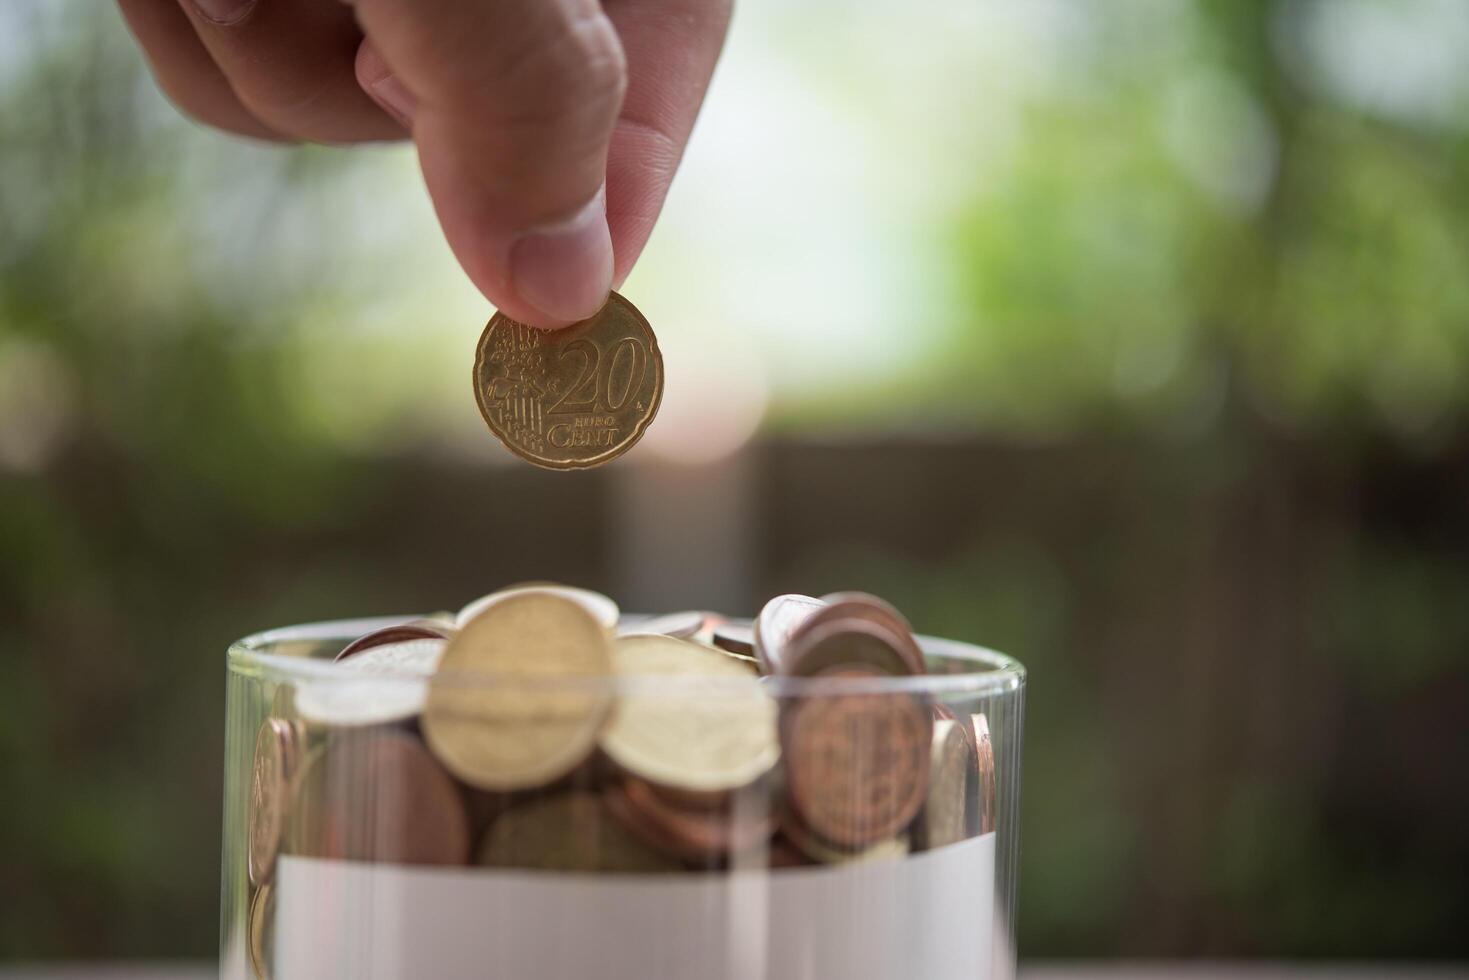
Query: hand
548, 130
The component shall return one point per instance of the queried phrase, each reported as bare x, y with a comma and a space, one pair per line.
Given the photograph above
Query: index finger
672, 47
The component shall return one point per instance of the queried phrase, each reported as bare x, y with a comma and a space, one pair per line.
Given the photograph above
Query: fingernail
224, 12
394, 96
565, 270
379, 82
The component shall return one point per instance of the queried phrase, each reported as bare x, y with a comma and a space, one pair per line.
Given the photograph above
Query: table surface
1148, 970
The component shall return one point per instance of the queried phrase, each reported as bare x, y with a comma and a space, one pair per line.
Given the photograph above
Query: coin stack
539, 729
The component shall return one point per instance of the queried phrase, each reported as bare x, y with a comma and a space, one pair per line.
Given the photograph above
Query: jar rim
969, 669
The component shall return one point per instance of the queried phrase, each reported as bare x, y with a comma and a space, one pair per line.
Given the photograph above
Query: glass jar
881, 844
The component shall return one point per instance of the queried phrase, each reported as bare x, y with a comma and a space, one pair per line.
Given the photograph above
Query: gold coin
257, 931
602, 608
691, 738
567, 832
680, 625
277, 751
515, 703
573, 398
949, 764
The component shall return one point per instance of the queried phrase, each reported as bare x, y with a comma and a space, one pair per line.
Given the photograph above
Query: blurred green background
1130, 338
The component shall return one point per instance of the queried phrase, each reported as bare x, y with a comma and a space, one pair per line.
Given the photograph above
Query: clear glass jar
350, 851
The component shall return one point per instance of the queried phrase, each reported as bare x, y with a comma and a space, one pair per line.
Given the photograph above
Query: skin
548, 131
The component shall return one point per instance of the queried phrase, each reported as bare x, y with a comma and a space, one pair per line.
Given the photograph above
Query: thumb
512, 104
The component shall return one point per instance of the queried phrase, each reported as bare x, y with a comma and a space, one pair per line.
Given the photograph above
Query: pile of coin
538, 728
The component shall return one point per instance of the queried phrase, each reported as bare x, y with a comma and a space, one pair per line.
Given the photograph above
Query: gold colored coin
516, 703
949, 765
272, 774
680, 625
573, 398
257, 931
602, 608
569, 831
715, 732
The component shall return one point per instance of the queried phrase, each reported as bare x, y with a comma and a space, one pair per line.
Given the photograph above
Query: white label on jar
926, 917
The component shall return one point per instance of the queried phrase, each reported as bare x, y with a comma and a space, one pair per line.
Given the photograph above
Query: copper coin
693, 799
772, 629
712, 622
418, 629
572, 398
859, 605
378, 795
277, 751
694, 834
846, 642
784, 854
985, 758
818, 850
569, 831
857, 764
734, 638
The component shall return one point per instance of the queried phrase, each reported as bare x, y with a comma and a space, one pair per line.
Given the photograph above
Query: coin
258, 930
871, 609
377, 686
418, 629
691, 833
277, 751
774, 625
845, 642
377, 795
856, 763
515, 703
942, 820
714, 731
735, 638
283, 702
569, 831
572, 398
681, 625
810, 844
985, 759
602, 608
784, 854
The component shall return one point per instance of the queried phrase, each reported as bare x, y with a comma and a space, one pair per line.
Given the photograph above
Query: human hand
548, 131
